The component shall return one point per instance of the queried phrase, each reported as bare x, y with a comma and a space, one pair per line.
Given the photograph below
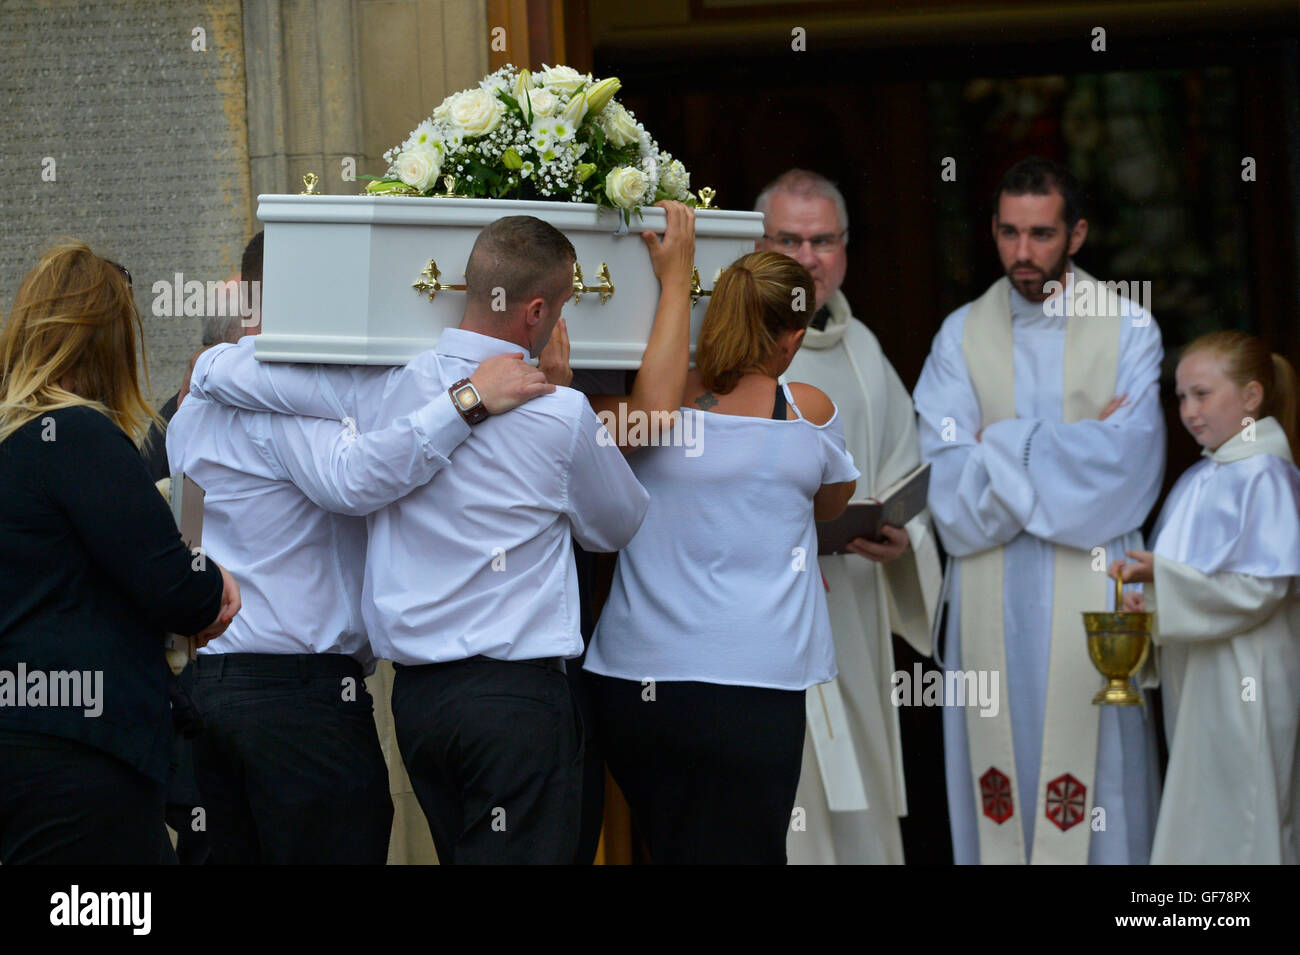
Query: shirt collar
838, 315
472, 346
1267, 438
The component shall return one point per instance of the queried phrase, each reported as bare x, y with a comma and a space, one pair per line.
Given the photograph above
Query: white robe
1086, 484
865, 601
1227, 602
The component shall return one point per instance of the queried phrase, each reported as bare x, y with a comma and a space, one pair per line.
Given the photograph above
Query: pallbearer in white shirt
851, 788
470, 585
1039, 411
289, 765
716, 620
1223, 576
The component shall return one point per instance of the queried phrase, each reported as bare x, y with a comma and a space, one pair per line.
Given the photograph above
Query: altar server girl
1226, 572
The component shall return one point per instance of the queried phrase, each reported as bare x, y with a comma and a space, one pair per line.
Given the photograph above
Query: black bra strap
778, 408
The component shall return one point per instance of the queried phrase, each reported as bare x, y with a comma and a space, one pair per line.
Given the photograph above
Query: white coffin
339, 270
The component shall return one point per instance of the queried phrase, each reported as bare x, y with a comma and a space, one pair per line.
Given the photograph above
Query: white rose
476, 111
419, 167
440, 111
620, 127
564, 78
674, 179
543, 102
625, 186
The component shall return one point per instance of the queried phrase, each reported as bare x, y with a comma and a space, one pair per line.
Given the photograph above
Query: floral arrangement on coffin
551, 134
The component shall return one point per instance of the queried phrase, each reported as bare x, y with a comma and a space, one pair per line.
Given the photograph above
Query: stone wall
333, 84
123, 126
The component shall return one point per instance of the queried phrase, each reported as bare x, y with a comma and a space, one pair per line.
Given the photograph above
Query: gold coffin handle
428, 282
697, 291
605, 288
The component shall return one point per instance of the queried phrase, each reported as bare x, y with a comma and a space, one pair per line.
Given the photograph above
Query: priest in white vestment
1040, 414
1226, 592
851, 787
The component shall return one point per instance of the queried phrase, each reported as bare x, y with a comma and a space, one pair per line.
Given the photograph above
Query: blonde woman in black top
93, 573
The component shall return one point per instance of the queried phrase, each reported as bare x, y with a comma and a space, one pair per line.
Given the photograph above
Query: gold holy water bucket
1118, 643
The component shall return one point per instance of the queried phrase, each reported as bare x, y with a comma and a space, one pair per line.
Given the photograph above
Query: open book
898, 504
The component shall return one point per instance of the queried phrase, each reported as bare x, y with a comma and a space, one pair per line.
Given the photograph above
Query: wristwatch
467, 401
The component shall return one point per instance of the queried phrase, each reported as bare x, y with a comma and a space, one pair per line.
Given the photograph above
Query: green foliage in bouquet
554, 134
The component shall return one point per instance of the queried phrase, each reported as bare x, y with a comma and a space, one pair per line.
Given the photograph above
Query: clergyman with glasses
851, 790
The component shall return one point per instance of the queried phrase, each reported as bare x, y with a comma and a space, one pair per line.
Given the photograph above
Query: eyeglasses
788, 242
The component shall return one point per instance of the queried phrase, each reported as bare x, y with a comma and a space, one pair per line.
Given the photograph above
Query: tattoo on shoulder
706, 400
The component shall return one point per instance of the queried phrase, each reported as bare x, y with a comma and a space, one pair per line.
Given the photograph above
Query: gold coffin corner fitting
428, 284
1118, 644
697, 291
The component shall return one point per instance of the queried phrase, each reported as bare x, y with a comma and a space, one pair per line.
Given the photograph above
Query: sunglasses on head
123, 269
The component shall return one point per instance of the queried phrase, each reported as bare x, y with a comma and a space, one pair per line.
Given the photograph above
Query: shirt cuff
440, 427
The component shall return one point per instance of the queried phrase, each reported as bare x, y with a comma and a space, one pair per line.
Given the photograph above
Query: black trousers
710, 771
495, 755
289, 766
63, 802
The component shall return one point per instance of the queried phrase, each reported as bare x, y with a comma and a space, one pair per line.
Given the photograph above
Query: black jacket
93, 573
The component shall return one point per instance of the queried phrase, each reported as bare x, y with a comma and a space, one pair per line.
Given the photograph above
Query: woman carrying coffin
1224, 566
93, 573
716, 623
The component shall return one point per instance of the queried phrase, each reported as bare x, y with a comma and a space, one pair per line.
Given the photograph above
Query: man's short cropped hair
804, 184
1037, 176
519, 255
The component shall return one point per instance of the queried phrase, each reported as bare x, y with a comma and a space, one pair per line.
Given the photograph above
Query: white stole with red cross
1069, 753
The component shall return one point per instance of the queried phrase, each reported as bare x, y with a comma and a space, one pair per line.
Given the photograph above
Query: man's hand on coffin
504, 382
230, 604
554, 360
883, 551
673, 257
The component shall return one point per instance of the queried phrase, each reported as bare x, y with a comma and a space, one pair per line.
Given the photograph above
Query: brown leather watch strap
468, 401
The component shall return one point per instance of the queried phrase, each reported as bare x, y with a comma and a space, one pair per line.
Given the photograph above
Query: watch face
466, 397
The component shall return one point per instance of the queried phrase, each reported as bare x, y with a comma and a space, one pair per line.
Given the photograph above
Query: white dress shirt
270, 482
480, 559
